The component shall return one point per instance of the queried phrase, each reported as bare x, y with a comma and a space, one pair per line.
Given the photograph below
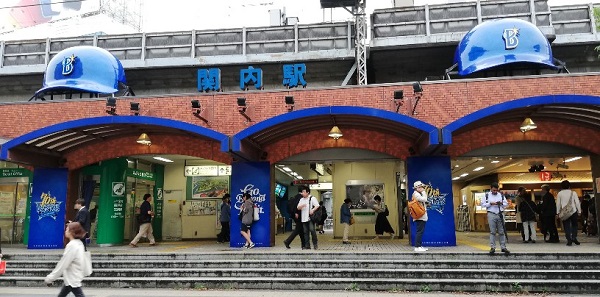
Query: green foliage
353, 287
199, 286
597, 23
516, 287
425, 289
396, 289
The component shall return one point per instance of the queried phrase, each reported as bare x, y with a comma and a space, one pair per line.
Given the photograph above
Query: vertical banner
157, 222
48, 199
112, 204
255, 178
435, 173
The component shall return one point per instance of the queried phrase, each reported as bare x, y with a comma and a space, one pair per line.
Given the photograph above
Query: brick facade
442, 103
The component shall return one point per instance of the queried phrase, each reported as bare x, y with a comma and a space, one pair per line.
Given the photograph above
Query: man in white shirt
308, 205
495, 203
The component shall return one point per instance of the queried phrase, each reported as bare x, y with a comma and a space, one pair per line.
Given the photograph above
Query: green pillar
159, 174
27, 209
111, 214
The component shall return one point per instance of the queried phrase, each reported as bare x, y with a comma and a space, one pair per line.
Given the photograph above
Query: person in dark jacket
224, 219
345, 216
548, 214
145, 218
295, 214
528, 211
83, 217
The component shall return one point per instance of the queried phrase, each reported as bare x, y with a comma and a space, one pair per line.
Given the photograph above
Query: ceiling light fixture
528, 125
458, 177
163, 159
495, 162
144, 139
478, 168
572, 159
464, 174
335, 133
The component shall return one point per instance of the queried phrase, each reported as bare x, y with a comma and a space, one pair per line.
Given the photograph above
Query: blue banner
48, 207
255, 178
435, 173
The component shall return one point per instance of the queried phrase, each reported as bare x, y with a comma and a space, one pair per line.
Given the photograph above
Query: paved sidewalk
467, 242
91, 292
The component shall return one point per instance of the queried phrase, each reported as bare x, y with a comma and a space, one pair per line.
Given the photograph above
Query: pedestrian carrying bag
416, 209
241, 214
352, 221
567, 211
87, 264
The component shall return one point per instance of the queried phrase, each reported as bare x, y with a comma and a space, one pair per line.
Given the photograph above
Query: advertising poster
435, 173
48, 199
254, 178
209, 186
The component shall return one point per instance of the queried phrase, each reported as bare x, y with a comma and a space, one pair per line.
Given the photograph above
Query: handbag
386, 212
87, 264
256, 215
315, 217
416, 209
567, 211
2, 266
352, 221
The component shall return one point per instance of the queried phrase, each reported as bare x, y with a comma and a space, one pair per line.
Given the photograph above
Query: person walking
225, 218
308, 205
528, 212
145, 219
495, 203
321, 224
70, 266
382, 225
345, 216
295, 215
548, 215
564, 197
84, 218
421, 196
247, 219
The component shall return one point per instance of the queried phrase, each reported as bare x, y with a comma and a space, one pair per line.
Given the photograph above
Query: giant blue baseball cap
500, 42
86, 69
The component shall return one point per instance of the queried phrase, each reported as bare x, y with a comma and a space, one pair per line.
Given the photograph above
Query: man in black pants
83, 217
295, 215
548, 215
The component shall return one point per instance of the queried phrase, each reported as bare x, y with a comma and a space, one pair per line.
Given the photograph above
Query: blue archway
571, 99
432, 131
114, 120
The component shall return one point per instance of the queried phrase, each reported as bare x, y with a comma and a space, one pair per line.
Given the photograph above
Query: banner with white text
254, 178
48, 207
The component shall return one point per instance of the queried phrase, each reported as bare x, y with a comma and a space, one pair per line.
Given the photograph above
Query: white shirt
493, 198
70, 265
304, 216
563, 197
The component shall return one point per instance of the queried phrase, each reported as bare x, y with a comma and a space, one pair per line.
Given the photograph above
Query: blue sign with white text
435, 173
48, 199
254, 178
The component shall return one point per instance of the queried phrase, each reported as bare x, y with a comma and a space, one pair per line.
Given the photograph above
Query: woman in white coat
71, 264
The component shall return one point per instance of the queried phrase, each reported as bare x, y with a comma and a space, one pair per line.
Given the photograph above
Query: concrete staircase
459, 272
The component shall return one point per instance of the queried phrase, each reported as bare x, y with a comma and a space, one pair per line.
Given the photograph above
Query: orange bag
416, 209
2, 267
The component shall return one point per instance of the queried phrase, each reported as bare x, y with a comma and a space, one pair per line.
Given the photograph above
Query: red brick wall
443, 102
163, 144
576, 136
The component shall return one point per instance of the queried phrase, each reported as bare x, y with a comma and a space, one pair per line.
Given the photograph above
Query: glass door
13, 205
135, 189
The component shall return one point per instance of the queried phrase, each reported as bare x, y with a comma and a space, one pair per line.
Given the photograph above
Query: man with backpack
495, 203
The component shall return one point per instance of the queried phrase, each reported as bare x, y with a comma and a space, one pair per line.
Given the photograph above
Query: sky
181, 15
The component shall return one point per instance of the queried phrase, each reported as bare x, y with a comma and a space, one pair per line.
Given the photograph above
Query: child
71, 264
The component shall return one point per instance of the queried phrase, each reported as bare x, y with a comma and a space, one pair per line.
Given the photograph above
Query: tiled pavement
467, 242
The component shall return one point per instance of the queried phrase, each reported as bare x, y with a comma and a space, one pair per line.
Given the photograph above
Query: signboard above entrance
14, 172
137, 173
213, 170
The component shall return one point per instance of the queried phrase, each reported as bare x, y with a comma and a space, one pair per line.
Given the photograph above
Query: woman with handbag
421, 196
568, 210
382, 224
247, 213
71, 265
